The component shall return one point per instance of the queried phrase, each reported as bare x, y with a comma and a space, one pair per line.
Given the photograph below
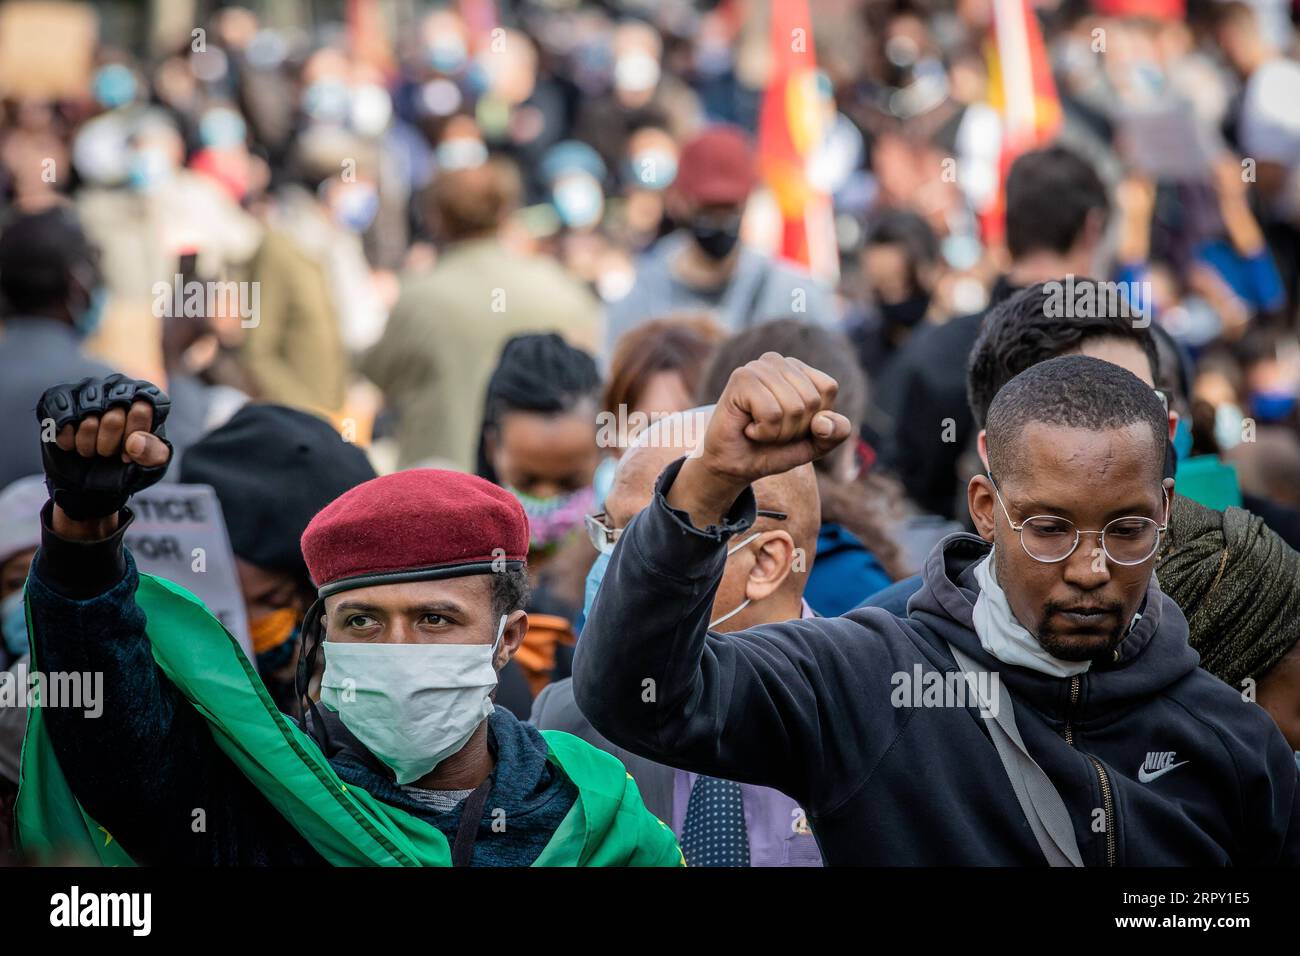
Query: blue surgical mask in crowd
594, 577
89, 319
446, 53
579, 200
597, 574
603, 479
1183, 440
652, 169
355, 206
114, 85
327, 101
461, 152
13, 621
148, 168
1227, 426
222, 128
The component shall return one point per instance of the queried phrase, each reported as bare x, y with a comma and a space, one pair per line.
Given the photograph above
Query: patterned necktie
714, 831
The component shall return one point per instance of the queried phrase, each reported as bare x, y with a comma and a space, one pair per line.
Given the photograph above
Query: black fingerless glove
98, 486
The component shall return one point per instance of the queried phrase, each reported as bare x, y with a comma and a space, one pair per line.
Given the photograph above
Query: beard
1075, 646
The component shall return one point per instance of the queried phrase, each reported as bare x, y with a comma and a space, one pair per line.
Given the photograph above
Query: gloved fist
101, 442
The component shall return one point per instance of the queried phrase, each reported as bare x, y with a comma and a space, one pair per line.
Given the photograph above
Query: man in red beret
421, 583
704, 266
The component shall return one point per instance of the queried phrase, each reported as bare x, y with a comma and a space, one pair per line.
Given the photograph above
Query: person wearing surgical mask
540, 443
703, 265
273, 468
762, 582
420, 581
539, 436
899, 265
52, 296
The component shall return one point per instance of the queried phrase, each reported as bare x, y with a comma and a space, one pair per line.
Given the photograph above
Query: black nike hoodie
1158, 762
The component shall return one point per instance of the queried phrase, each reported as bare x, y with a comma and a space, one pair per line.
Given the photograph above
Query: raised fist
101, 442
775, 414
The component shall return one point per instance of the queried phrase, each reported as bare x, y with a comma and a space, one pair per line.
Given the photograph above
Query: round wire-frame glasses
1049, 534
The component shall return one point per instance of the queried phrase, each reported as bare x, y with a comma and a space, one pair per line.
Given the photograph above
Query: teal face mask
92, 316
13, 621
551, 520
1183, 440
594, 577
1227, 426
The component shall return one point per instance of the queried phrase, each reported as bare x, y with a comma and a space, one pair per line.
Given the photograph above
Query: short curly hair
510, 591
1072, 391
1021, 332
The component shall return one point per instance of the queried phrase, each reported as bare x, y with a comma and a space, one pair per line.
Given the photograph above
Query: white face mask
412, 705
743, 604
1004, 637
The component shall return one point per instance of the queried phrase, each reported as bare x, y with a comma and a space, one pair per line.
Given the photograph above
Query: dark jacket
145, 765
33, 353
808, 707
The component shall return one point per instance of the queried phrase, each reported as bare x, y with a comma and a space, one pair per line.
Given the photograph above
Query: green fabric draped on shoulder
607, 826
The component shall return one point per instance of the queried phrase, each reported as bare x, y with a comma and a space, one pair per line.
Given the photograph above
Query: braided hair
537, 372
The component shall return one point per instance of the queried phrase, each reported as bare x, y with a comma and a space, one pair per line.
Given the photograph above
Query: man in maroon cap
421, 583
703, 265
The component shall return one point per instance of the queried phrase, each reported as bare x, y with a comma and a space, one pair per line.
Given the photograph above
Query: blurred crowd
505, 238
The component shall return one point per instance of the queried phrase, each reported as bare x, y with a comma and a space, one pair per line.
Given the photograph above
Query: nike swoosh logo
1145, 777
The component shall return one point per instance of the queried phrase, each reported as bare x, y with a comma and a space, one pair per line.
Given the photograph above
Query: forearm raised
651, 677
135, 753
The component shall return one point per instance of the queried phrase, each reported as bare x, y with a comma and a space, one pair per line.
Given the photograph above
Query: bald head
793, 492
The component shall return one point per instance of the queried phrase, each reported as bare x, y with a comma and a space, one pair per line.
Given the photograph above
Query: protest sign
47, 50
179, 534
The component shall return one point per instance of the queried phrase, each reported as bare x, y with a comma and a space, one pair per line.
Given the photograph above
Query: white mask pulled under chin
411, 705
743, 604
1004, 637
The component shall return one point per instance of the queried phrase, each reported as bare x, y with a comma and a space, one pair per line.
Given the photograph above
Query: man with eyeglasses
718, 822
1236, 581
1040, 703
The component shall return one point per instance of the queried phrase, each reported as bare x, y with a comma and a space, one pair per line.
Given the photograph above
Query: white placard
180, 534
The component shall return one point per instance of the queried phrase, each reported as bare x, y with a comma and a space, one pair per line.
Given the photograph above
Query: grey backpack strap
1039, 799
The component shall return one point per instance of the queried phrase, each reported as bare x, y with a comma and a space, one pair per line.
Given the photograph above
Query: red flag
1021, 89
792, 124
368, 36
